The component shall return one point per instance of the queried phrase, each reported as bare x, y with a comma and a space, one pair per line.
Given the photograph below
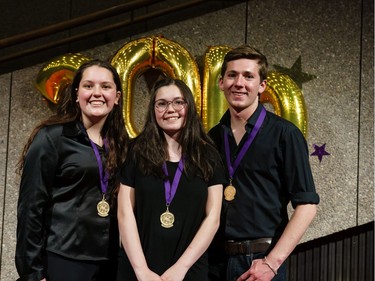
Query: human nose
96, 91
169, 106
238, 81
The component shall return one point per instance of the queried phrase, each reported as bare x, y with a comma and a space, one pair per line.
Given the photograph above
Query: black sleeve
37, 175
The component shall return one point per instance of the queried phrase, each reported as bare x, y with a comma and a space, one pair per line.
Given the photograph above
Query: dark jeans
237, 265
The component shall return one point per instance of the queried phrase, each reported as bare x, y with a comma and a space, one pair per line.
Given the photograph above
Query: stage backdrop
324, 47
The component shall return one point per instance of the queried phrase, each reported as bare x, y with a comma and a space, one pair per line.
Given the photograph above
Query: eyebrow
243, 72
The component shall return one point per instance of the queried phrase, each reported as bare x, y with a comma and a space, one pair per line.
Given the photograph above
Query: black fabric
63, 269
274, 171
163, 246
59, 191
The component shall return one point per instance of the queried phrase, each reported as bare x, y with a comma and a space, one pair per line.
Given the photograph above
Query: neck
94, 131
174, 149
243, 114
239, 119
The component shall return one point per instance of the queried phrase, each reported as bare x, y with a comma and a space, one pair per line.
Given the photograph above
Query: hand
257, 272
148, 276
174, 273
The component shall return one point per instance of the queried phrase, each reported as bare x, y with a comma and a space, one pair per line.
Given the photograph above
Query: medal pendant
229, 192
167, 219
103, 207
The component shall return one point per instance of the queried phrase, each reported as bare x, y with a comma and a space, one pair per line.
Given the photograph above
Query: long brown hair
68, 111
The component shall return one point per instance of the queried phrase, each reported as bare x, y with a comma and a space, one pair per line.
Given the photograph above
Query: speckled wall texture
330, 43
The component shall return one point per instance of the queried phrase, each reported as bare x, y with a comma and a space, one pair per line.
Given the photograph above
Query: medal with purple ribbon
167, 218
102, 207
230, 190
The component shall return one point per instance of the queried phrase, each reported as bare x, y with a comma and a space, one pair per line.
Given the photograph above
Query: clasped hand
257, 272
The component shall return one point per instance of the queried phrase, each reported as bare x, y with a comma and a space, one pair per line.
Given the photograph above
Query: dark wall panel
343, 256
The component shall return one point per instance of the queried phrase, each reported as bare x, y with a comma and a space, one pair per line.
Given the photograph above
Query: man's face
241, 84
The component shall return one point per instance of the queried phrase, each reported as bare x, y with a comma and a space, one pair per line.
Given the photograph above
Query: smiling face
241, 85
96, 94
170, 120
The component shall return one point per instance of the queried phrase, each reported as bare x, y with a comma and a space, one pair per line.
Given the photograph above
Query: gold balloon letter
135, 57
57, 73
213, 101
286, 99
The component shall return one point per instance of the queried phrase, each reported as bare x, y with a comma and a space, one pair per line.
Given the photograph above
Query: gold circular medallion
103, 208
167, 219
229, 192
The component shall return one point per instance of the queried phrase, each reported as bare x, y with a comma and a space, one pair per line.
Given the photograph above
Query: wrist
270, 266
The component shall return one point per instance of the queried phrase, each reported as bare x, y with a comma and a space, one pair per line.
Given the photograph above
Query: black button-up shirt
274, 171
59, 191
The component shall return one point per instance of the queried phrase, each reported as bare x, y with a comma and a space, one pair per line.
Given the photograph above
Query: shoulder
215, 130
215, 133
211, 154
50, 132
282, 126
55, 133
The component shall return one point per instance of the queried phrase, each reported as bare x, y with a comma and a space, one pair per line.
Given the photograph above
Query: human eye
179, 102
87, 85
161, 103
107, 86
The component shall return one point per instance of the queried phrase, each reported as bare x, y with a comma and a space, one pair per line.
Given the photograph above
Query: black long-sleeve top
59, 191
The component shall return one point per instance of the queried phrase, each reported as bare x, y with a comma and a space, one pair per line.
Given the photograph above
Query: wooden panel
343, 256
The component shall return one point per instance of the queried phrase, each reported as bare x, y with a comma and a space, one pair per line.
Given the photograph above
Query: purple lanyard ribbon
245, 147
103, 175
171, 191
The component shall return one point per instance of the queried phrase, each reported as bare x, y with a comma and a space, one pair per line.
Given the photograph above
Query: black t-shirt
162, 247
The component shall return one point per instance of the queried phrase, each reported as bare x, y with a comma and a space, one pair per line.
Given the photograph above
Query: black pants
60, 268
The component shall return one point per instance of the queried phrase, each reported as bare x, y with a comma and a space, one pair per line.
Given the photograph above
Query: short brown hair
246, 52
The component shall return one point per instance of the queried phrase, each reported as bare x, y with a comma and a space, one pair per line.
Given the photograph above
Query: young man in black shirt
268, 167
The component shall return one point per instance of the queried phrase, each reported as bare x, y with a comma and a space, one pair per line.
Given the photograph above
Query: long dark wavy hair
68, 110
151, 148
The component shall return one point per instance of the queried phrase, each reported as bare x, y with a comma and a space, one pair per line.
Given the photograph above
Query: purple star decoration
320, 151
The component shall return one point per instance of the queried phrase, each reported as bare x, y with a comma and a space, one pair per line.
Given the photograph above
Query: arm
129, 234
202, 238
37, 176
297, 226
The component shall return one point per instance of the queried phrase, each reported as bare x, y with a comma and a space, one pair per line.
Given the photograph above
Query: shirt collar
225, 120
73, 129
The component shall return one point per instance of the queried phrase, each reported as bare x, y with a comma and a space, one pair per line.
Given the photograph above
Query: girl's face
170, 109
97, 94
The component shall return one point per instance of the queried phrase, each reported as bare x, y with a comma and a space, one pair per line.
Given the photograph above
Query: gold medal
229, 192
167, 219
103, 207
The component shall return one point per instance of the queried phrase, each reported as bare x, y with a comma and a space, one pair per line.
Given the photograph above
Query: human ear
118, 95
262, 86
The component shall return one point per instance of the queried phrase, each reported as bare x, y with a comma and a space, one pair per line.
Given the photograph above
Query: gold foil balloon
135, 57
131, 61
57, 73
286, 98
213, 101
174, 59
